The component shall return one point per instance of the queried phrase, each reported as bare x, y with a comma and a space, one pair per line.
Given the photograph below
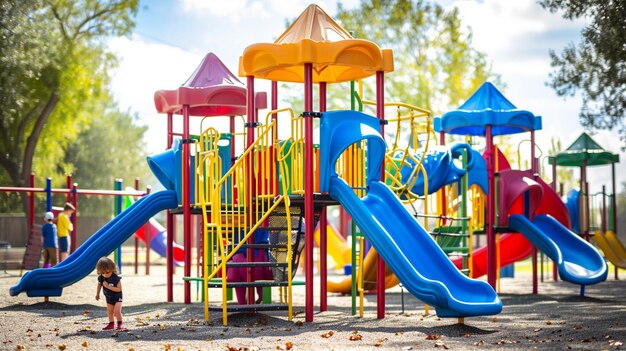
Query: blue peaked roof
487, 106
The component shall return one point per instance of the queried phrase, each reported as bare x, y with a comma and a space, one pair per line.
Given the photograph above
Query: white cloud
143, 69
231, 8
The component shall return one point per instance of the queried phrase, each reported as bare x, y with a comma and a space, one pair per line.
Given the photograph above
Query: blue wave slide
51, 281
578, 261
407, 248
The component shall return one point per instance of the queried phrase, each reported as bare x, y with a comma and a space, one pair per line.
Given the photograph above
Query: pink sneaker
109, 326
120, 326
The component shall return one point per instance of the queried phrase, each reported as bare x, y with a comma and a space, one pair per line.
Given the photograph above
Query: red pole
274, 106
168, 256
555, 275
533, 170
169, 259
614, 209
146, 230
380, 263
323, 230
186, 205
308, 190
74, 219
491, 237
137, 240
251, 119
31, 202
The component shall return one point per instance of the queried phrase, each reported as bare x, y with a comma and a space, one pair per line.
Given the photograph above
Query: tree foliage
54, 75
435, 65
112, 147
596, 67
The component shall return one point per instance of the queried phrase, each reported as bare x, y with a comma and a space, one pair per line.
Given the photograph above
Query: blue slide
577, 260
410, 251
51, 281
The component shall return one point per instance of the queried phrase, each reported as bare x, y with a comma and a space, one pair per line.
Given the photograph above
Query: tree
112, 147
54, 70
435, 65
596, 66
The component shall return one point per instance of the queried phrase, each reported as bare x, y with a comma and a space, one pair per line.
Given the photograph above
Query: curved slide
578, 261
51, 281
412, 254
158, 237
410, 251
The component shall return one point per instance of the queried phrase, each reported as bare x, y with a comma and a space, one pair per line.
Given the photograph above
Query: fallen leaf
298, 323
355, 337
615, 343
141, 322
288, 345
494, 319
468, 335
131, 349
328, 334
62, 347
537, 329
161, 327
441, 344
548, 322
158, 315
20, 347
84, 344
407, 348
433, 337
479, 343
169, 347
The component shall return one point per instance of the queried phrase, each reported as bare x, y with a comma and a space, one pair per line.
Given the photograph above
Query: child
112, 283
49, 234
65, 227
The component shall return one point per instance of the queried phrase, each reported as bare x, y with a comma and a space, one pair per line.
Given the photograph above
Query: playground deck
555, 319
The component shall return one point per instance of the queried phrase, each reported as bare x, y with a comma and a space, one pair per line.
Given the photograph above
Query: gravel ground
555, 319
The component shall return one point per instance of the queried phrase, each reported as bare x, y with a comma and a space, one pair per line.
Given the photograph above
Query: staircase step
250, 308
255, 264
265, 246
258, 283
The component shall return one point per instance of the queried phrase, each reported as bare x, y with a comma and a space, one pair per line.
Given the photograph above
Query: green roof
584, 150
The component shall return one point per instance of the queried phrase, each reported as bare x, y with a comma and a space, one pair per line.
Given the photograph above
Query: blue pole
118, 210
48, 194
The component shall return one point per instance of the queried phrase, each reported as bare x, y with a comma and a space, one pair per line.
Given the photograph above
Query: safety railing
230, 221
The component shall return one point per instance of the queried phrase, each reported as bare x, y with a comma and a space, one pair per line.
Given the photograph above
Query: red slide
514, 246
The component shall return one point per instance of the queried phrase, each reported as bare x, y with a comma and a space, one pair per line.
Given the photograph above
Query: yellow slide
616, 244
369, 276
611, 246
340, 251
338, 248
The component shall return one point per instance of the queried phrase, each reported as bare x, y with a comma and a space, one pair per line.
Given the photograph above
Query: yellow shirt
64, 225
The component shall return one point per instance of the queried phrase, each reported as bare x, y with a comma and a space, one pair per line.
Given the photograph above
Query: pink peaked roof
212, 90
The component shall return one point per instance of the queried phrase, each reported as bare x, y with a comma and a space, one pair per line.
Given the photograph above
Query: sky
172, 36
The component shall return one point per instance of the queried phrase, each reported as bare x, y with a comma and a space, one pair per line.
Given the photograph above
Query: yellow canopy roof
317, 39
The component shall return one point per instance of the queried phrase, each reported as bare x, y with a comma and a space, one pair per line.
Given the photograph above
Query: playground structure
283, 185
591, 217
